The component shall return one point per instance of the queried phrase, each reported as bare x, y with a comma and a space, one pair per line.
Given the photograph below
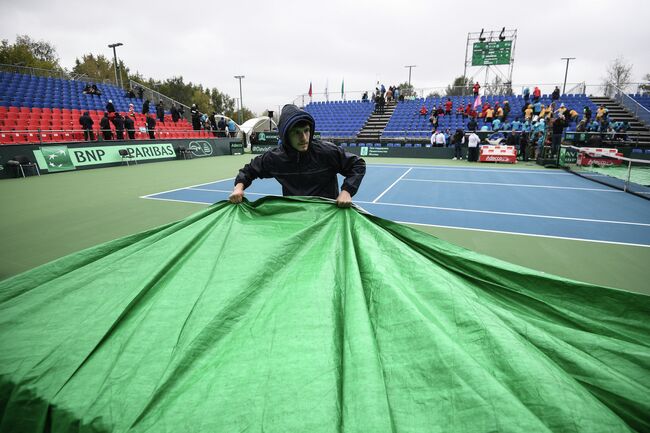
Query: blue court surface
548, 203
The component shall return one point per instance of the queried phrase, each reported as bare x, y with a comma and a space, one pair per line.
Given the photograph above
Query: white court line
392, 184
228, 192
514, 184
526, 234
186, 187
500, 170
507, 213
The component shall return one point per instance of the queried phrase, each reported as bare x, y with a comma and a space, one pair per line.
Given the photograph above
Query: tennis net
609, 167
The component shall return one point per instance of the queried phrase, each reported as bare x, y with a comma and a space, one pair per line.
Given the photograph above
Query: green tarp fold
292, 315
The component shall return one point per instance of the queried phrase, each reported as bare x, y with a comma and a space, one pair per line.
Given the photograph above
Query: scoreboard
491, 53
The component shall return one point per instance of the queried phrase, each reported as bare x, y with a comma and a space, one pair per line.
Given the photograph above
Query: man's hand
237, 194
344, 199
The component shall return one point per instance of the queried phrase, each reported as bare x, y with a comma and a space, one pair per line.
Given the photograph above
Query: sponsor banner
52, 158
403, 152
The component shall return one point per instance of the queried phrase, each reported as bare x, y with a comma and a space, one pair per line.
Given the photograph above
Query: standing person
448, 107
118, 121
140, 92
557, 127
476, 89
440, 139
105, 126
536, 94
472, 125
380, 102
160, 111
506, 110
145, 107
458, 139
87, 123
303, 165
556, 94
129, 124
213, 123
110, 109
175, 114
131, 111
473, 141
232, 128
586, 114
151, 126
526, 93
196, 118
222, 126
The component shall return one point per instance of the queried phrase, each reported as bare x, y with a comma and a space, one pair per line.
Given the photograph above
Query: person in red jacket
423, 111
476, 88
537, 94
468, 109
448, 107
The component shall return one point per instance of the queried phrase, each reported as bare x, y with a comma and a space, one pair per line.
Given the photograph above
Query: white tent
258, 124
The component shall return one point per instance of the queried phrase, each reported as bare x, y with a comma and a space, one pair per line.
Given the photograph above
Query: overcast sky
280, 46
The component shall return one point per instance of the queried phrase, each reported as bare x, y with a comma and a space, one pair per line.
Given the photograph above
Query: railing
632, 105
154, 95
40, 72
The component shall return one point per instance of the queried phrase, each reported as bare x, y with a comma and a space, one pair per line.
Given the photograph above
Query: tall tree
645, 87
30, 53
461, 86
406, 89
619, 74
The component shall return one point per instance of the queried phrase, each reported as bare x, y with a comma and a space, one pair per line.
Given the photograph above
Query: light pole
410, 67
566, 72
113, 46
241, 101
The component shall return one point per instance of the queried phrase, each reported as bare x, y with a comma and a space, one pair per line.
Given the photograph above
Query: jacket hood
288, 118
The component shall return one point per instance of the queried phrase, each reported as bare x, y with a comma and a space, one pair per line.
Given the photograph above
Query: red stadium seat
6, 138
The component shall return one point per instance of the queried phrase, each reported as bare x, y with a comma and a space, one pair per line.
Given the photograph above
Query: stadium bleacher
340, 119
44, 109
643, 100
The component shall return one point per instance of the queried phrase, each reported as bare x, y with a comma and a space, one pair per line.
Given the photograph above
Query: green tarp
292, 315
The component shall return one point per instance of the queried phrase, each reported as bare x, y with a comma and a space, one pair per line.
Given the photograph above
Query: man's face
299, 137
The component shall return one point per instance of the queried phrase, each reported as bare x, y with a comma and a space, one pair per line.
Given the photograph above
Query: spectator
506, 110
118, 121
448, 107
496, 124
87, 90
397, 94
440, 139
581, 126
213, 123
440, 111
458, 139
160, 111
433, 119
94, 90
557, 126
110, 108
105, 126
476, 89
129, 94
222, 126
536, 94
175, 114
472, 147
86, 123
145, 107
389, 94
489, 115
129, 124
383, 90
131, 111
526, 93
527, 148
380, 102
556, 94
499, 112
543, 111
196, 118
528, 112
472, 125
602, 112
424, 111
151, 126
364, 98
232, 128
460, 111
537, 108
586, 114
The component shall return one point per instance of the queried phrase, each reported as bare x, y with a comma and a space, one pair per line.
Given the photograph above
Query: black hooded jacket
309, 173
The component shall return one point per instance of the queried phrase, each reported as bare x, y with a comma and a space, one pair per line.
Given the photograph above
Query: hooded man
105, 125
304, 166
86, 123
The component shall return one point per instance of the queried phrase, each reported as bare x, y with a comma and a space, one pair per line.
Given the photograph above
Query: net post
629, 173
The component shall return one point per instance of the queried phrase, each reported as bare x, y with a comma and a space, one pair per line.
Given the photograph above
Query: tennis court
548, 203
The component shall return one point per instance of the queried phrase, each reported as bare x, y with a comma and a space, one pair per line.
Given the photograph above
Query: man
232, 128
86, 123
536, 94
476, 89
160, 111
110, 109
118, 121
472, 125
196, 118
222, 126
151, 126
304, 166
105, 126
556, 94
472, 146
440, 139
175, 114
457, 140
448, 107
129, 124
145, 107
558, 126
